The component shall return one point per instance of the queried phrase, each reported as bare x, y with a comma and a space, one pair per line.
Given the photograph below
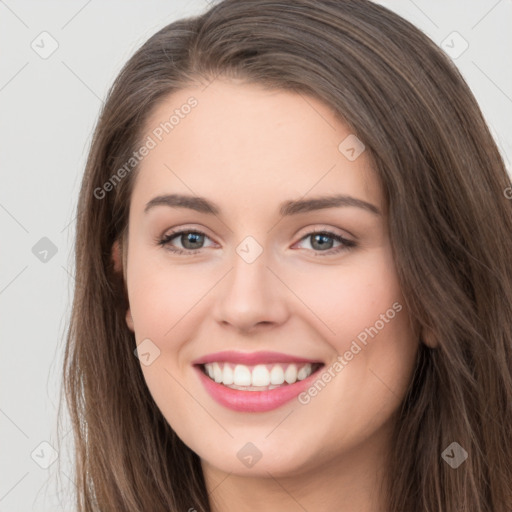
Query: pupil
323, 243
193, 238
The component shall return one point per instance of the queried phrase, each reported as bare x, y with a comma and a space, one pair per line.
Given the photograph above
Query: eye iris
193, 238
322, 242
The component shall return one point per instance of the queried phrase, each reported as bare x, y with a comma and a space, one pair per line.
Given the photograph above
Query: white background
48, 110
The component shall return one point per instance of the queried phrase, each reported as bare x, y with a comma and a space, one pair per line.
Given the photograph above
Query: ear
129, 320
117, 260
427, 337
116, 256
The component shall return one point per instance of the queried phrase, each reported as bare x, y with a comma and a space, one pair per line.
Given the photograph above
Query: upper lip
251, 358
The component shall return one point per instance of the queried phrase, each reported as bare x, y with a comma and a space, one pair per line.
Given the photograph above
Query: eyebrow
292, 207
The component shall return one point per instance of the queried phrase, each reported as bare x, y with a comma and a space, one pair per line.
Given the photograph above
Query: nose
251, 297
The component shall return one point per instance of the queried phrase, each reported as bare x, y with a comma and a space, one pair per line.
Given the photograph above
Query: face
279, 283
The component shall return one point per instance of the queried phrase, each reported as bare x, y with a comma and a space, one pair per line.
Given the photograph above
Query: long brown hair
450, 225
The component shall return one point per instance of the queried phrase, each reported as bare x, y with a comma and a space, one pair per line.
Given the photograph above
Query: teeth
242, 375
260, 375
304, 372
217, 372
227, 375
277, 375
290, 375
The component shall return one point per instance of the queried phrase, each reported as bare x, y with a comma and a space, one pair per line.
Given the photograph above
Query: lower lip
254, 401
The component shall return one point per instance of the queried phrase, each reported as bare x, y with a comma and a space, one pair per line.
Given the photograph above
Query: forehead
242, 143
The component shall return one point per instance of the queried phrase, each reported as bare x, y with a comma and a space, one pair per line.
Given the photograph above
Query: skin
248, 149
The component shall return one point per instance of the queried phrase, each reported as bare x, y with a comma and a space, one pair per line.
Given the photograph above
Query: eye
192, 242
323, 240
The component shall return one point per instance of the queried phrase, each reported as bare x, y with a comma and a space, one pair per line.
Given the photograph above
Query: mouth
255, 382
259, 377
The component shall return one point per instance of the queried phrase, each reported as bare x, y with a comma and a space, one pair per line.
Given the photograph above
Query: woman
293, 276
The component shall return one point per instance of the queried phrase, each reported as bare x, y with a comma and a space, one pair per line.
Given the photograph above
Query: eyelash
346, 244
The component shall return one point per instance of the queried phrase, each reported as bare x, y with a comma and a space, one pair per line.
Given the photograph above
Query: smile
255, 382
258, 377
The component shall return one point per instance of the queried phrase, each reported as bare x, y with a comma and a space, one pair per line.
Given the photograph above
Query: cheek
350, 298
162, 293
